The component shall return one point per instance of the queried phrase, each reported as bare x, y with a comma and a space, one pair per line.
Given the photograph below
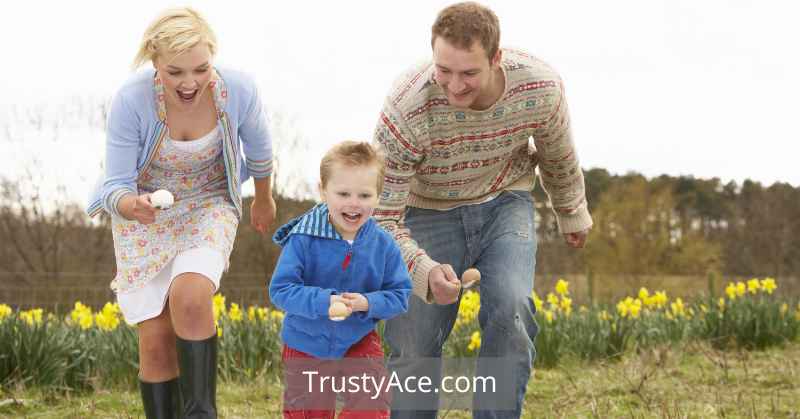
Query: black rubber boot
198, 377
160, 400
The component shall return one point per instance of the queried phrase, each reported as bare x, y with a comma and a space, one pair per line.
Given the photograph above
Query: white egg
162, 199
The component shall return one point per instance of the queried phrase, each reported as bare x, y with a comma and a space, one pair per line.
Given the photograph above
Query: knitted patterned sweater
442, 157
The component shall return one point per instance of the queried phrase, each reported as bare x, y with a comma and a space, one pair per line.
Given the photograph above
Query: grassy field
684, 381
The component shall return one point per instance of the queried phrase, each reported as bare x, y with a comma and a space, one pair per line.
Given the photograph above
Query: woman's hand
262, 213
137, 207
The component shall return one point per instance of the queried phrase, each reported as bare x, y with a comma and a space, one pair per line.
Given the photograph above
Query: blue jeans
499, 238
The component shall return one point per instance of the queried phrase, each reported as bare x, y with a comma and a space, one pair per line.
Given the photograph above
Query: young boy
336, 253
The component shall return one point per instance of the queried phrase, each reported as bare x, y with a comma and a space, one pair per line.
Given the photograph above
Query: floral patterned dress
202, 216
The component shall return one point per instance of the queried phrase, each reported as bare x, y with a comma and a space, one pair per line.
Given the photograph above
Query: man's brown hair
462, 24
352, 154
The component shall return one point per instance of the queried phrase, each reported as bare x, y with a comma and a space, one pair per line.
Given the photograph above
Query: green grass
689, 381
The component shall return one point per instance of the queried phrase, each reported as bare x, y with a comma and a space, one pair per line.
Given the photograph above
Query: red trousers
301, 400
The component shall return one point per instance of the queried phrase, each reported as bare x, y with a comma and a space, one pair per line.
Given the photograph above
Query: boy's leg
365, 359
298, 398
416, 337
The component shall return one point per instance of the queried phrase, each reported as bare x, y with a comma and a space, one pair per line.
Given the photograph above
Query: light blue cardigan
137, 127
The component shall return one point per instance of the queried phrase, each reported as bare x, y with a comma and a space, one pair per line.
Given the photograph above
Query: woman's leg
158, 367
191, 306
192, 314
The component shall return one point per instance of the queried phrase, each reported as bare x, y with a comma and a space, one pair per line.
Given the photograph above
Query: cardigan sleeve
122, 148
254, 133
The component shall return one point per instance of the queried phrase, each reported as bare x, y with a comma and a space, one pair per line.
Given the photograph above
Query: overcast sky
705, 88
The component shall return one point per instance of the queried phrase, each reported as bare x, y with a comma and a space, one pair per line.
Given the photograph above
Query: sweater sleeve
392, 299
287, 289
559, 170
397, 143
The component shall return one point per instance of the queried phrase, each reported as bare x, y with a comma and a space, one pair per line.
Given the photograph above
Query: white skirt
148, 302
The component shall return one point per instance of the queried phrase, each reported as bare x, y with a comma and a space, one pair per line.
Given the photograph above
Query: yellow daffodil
276, 315
468, 308
741, 288
566, 305
768, 285
537, 301
474, 341
644, 294
219, 306
658, 300
552, 299
235, 313
108, 318
32, 316
604, 316
5, 311
678, 308
753, 286
730, 290
562, 287
548, 315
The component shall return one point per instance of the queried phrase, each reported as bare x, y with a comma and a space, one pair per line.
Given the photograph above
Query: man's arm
397, 143
561, 174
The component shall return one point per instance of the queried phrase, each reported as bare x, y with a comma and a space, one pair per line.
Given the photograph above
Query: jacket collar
217, 86
315, 223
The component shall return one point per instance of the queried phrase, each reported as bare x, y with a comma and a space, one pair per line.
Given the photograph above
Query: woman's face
185, 76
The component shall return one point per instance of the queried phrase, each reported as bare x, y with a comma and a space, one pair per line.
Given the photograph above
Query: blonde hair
352, 153
461, 24
175, 31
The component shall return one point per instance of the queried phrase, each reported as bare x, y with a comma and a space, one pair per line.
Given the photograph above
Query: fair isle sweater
441, 157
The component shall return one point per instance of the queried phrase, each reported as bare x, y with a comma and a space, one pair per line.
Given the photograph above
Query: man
459, 171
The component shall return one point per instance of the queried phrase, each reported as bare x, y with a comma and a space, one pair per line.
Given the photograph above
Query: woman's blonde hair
175, 31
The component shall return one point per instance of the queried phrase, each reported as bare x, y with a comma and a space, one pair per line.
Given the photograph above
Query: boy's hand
356, 301
338, 308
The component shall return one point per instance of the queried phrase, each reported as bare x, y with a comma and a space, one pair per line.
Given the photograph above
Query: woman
182, 126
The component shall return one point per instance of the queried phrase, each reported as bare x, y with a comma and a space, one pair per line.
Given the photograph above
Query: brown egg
470, 278
338, 311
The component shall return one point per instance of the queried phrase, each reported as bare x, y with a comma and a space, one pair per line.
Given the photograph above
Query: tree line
642, 227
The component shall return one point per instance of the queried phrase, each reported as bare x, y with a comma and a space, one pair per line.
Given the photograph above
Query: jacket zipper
347, 257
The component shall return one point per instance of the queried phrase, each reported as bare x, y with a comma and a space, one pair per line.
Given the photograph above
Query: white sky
705, 88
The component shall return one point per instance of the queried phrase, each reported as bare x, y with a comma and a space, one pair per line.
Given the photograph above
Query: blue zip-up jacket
137, 126
315, 263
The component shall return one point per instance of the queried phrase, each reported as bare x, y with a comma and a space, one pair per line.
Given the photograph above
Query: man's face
465, 75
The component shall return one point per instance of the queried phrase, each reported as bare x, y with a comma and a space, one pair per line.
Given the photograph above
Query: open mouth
351, 217
187, 95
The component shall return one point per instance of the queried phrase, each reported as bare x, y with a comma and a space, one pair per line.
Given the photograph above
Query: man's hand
356, 301
262, 213
444, 284
576, 240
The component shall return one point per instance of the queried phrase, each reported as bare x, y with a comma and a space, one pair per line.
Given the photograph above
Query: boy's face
351, 194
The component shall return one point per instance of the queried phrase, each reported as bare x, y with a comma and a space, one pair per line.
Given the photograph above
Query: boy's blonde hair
352, 153
462, 24
175, 31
